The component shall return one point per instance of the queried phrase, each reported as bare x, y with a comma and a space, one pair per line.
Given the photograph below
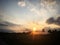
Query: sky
29, 13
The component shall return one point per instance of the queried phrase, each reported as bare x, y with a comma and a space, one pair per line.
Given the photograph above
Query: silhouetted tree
49, 31
54, 31
43, 30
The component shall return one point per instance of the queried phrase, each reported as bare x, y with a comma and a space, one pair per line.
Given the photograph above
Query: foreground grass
27, 39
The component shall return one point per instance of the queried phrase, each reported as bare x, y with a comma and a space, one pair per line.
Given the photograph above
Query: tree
43, 30
49, 31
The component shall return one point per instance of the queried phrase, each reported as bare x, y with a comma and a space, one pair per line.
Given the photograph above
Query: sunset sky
30, 13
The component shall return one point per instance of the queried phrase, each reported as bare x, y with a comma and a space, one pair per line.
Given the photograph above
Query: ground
27, 39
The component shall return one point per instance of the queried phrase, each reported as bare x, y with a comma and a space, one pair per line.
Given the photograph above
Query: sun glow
35, 26
34, 29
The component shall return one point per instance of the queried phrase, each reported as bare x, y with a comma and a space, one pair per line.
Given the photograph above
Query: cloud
22, 3
50, 20
34, 10
47, 8
53, 21
6, 26
58, 21
1, 18
50, 6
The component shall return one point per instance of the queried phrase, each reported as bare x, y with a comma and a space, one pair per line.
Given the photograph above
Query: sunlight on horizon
34, 29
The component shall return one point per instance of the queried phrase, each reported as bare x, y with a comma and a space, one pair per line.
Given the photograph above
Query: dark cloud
52, 20
3, 27
10, 27
57, 21
6, 23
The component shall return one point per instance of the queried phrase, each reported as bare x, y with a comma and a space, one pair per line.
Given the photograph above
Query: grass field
28, 39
